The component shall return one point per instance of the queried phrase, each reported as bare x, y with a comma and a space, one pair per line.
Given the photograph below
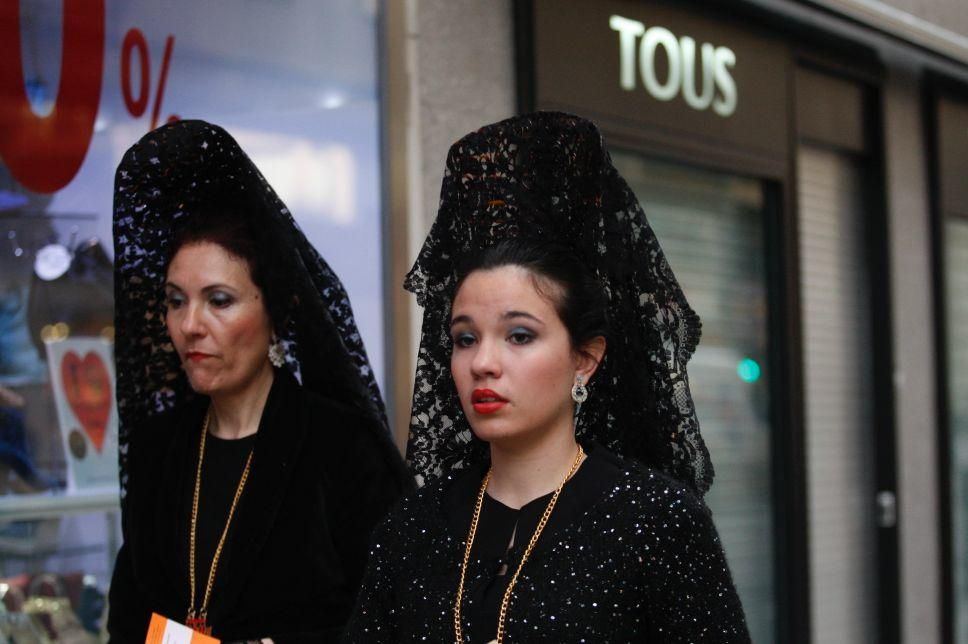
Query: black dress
322, 476
628, 555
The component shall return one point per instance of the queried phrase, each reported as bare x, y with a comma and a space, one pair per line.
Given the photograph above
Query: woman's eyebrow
218, 286
459, 319
521, 314
509, 315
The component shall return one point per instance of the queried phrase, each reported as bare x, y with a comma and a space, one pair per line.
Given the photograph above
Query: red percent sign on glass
135, 43
44, 153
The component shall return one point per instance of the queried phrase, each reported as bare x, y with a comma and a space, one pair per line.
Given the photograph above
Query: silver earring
277, 354
579, 392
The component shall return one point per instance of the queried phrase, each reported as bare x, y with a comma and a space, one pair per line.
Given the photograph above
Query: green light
748, 370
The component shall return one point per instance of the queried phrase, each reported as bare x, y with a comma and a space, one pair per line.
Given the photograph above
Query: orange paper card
162, 630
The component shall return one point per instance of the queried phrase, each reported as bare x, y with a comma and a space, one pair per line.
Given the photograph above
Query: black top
221, 473
323, 474
629, 555
498, 523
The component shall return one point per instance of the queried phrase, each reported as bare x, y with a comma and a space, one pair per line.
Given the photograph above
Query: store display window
296, 84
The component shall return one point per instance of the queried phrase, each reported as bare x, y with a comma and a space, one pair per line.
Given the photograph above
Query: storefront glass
956, 302
296, 83
711, 228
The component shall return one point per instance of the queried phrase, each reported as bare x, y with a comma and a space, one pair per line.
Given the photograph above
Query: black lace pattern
549, 175
165, 177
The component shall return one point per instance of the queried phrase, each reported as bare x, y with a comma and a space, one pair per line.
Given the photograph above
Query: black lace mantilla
549, 175
170, 173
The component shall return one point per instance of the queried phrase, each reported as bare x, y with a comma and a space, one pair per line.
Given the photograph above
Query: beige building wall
450, 68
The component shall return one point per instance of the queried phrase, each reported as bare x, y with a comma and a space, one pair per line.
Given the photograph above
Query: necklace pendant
199, 624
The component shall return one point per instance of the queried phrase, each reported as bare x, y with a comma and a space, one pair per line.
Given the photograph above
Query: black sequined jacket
323, 475
628, 555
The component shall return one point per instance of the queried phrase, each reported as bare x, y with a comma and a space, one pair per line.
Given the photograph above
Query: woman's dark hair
578, 297
228, 226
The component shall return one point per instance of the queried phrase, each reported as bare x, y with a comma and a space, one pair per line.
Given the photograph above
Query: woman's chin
202, 385
497, 433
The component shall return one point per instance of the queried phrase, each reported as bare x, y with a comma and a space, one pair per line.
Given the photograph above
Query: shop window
711, 228
950, 138
956, 301
296, 83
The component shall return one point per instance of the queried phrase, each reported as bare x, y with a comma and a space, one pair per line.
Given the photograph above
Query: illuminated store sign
713, 86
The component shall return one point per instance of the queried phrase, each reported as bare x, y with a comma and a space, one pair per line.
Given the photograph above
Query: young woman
249, 494
552, 421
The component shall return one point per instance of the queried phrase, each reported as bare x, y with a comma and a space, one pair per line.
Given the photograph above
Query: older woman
255, 456
553, 424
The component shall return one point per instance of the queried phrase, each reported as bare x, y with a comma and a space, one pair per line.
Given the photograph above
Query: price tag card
162, 630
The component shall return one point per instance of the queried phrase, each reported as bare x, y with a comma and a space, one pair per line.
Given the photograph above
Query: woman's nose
191, 322
486, 360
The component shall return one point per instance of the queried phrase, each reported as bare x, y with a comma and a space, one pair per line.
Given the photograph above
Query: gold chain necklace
198, 620
506, 600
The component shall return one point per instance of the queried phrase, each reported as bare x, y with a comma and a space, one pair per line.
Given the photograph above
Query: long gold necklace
506, 600
198, 619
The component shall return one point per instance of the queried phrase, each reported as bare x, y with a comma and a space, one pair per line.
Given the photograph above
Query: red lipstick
196, 356
486, 401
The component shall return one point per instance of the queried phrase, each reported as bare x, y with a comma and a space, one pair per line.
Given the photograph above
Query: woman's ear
589, 356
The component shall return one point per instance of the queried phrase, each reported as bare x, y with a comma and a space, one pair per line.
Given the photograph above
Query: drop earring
579, 393
277, 354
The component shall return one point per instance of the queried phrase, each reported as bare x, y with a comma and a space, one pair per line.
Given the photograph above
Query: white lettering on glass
718, 87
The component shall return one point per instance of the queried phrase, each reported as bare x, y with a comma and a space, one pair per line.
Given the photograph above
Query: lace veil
549, 175
167, 176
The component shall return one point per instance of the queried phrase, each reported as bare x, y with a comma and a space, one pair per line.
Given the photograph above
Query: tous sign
682, 72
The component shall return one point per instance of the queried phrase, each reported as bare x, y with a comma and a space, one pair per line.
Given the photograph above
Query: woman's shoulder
420, 509
648, 492
339, 426
321, 409
345, 441
429, 496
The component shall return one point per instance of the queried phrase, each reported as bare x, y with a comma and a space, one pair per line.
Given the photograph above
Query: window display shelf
45, 506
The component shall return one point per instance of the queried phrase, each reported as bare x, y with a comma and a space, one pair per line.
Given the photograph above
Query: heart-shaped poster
87, 386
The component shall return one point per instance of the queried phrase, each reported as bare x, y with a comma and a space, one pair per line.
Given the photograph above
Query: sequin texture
642, 564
